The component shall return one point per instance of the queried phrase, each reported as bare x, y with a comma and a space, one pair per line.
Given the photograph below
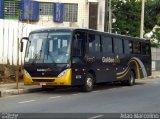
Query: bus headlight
27, 74
62, 73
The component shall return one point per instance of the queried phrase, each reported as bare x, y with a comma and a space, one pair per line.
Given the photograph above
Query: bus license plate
42, 83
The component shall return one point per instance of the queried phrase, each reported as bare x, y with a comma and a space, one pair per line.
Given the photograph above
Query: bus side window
118, 46
78, 43
145, 48
94, 43
126, 47
107, 44
136, 47
130, 44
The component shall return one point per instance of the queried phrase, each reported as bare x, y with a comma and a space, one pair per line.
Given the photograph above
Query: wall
10, 31
101, 15
83, 15
155, 58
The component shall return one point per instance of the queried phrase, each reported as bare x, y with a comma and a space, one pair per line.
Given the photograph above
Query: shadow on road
73, 90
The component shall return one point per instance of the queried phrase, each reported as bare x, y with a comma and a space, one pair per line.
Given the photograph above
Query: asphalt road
108, 98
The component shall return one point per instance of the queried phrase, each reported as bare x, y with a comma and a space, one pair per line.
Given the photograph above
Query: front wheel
89, 82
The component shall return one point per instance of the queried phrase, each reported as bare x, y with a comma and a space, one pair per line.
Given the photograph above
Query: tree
152, 21
127, 14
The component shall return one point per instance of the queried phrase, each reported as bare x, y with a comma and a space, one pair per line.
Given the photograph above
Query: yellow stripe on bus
137, 67
137, 70
119, 77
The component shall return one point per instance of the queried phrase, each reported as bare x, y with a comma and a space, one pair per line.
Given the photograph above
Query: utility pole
142, 19
106, 16
110, 17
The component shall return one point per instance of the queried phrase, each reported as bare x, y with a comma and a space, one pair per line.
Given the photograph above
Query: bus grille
42, 80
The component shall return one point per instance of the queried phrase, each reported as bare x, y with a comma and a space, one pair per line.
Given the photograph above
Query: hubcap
89, 82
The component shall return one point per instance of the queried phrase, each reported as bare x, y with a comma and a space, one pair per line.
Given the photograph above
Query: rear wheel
89, 82
130, 81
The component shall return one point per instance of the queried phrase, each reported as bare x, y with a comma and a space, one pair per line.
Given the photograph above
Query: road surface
109, 98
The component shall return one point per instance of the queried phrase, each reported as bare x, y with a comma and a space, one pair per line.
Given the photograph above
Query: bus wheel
131, 80
89, 82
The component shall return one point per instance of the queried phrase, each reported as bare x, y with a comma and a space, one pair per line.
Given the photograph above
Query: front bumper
64, 80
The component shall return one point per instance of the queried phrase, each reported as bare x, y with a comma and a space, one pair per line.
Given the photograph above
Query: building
19, 17
73, 13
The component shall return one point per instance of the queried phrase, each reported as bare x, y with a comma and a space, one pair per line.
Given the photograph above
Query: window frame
95, 52
11, 9
109, 38
114, 44
143, 48
47, 13
135, 47
84, 42
70, 12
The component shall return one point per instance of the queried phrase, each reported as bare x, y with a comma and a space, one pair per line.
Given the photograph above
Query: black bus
84, 57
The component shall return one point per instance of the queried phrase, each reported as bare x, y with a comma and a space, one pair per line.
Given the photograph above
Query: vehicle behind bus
83, 57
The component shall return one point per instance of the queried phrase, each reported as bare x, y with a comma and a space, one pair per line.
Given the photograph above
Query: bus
84, 57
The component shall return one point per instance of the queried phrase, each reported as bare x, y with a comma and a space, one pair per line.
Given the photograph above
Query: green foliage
155, 39
152, 18
127, 15
152, 8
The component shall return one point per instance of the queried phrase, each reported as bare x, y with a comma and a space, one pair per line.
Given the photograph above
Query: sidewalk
155, 74
10, 89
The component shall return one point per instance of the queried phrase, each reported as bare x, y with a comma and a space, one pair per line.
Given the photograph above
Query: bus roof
76, 28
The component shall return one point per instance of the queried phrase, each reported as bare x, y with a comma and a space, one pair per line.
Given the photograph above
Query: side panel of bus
100, 48
108, 57
79, 66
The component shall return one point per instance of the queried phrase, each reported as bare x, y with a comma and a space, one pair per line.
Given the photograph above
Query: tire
88, 84
130, 81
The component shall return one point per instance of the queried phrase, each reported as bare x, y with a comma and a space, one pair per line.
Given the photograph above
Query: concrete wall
83, 15
155, 58
10, 31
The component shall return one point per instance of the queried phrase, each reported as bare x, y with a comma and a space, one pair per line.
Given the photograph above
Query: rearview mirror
21, 49
24, 38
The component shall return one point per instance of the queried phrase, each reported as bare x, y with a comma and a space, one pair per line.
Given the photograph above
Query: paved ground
10, 89
143, 97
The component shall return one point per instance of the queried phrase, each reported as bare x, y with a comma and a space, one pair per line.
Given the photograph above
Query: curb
7, 92
152, 77
17, 92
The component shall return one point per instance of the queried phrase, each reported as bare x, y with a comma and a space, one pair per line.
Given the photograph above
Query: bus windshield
51, 47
